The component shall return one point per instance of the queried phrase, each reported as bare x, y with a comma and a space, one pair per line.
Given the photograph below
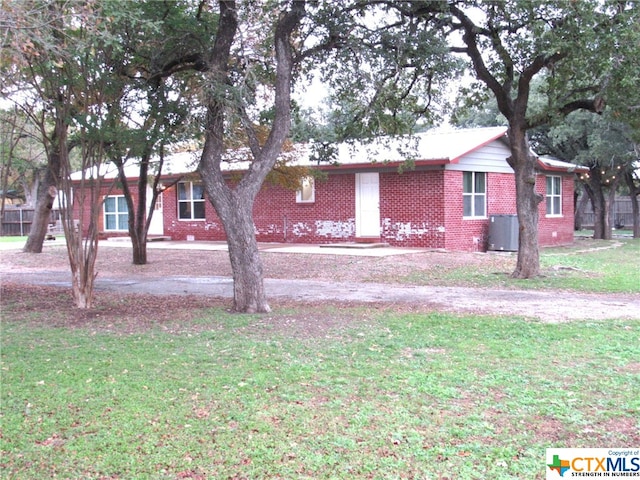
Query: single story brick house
438, 189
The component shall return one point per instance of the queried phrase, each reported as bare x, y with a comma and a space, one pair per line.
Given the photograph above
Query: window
116, 214
554, 195
307, 192
190, 201
158, 206
474, 194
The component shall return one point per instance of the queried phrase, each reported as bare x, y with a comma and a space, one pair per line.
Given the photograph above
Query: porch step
159, 238
355, 245
367, 239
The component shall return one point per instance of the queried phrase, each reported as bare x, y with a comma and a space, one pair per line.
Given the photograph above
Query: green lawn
599, 266
386, 395
12, 239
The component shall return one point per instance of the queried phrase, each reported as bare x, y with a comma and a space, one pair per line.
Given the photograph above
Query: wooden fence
17, 221
622, 214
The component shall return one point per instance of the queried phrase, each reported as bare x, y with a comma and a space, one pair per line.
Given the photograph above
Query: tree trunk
47, 191
42, 213
634, 191
609, 204
598, 204
82, 258
5, 184
139, 231
636, 216
235, 205
83, 273
139, 249
581, 204
598, 216
137, 224
235, 209
82, 251
248, 287
527, 201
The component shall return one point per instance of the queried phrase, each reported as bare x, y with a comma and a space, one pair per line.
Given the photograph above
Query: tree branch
505, 104
595, 105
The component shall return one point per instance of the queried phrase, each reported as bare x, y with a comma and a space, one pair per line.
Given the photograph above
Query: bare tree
60, 77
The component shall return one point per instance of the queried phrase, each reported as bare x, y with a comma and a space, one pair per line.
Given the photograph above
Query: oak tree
567, 47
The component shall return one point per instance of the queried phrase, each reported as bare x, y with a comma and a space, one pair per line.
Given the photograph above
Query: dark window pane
185, 210
198, 209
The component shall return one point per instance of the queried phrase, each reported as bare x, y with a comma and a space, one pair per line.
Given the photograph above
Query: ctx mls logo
561, 466
592, 462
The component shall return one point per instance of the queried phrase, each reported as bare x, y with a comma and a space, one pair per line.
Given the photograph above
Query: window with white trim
191, 201
116, 213
474, 194
307, 192
554, 195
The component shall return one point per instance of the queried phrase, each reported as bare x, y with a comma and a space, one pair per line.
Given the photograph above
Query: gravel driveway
328, 276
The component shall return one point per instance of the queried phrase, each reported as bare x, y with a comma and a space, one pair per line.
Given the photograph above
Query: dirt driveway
321, 277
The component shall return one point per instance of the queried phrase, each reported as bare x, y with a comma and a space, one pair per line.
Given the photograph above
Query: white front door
367, 204
157, 222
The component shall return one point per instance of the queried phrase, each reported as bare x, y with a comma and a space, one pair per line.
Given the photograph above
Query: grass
605, 270
7, 239
598, 266
387, 395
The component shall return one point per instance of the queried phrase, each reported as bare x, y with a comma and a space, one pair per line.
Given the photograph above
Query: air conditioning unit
503, 233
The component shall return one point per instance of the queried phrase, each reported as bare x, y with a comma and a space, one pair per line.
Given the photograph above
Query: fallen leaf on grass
53, 441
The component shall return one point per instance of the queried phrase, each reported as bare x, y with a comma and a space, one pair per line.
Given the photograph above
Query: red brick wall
417, 209
501, 194
82, 209
460, 234
278, 218
208, 229
330, 218
556, 230
412, 208
471, 234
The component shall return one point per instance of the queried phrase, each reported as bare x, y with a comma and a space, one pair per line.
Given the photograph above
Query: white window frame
307, 191
473, 195
117, 214
191, 201
553, 196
